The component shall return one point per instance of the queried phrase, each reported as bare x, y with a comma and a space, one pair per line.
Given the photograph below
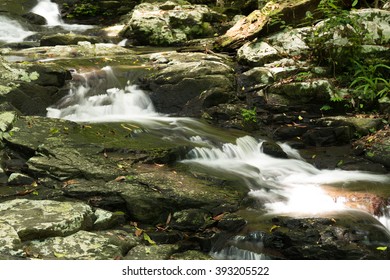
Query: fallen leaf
169, 218
273, 228
148, 239
120, 179
384, 248
218, 217
70, 182
138, 232
58, 255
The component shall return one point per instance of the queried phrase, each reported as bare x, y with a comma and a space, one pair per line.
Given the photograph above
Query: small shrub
249, 116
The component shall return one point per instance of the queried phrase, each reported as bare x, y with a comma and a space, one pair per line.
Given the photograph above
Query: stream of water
11, 31
283, 185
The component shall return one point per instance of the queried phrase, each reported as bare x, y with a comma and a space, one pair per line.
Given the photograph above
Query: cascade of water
93, 99
51, 12
12, 31
296, 180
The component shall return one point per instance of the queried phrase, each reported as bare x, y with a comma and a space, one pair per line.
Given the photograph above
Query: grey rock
257, 54
144, 252
81, 245
164, 24
20, 179
60, 219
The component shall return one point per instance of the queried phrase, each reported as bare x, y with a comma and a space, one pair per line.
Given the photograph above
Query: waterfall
51, 12
12, 31
93, 99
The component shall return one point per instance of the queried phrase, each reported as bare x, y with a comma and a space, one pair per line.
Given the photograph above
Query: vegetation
337, 42
371, 82
249, 115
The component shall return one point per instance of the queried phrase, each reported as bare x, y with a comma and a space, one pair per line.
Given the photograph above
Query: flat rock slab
33, 219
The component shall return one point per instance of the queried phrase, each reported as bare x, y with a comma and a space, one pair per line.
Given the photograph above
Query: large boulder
165, 24
31, 88
33, 219
186, 83
68, 39
345, 235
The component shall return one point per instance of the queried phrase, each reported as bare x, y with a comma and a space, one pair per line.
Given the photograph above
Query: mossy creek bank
143, 187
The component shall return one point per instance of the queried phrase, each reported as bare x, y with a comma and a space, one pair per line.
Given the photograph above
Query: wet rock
273, 150
328, 136
289, 132
190, 82
81, 245
169, 23
51, 75
189, 220
144, 252
152, 195
68, 39
362, 126
328, 238
62, 150
376, 147
231, 222
34, 18
20, 179
32, 99
60, 219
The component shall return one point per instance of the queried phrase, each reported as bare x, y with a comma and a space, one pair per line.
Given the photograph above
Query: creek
289, 186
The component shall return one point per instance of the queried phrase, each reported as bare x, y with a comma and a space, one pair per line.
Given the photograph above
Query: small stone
20, 179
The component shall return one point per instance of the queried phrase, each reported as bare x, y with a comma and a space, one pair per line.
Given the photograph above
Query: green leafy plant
337, 39
302, 76
371, 82
249, 115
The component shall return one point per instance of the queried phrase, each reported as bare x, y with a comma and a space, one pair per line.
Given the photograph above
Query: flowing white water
97, 97
51, 12
12, 31
297, 182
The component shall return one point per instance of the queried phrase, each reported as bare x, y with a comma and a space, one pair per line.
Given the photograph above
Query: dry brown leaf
120, 179
138, 232
169, 218
219, 217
